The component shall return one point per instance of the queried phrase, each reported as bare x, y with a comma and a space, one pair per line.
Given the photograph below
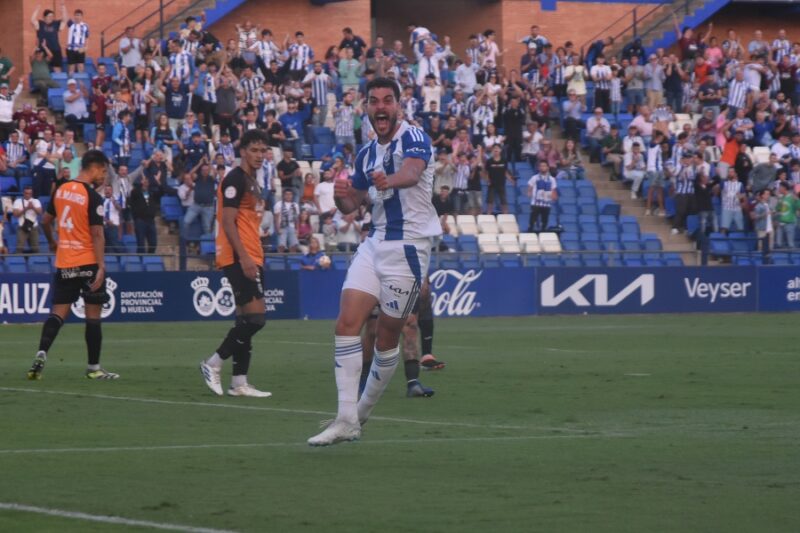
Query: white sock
215, 360
380, 373
41, 354
238, 381
93, 368
348, 372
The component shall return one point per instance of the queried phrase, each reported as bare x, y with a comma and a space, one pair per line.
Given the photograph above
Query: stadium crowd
720, 117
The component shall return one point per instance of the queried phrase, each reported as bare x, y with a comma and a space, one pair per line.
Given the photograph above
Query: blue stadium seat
133, 267
340, 262
9, 184
275, 263
673, 259
129, 242
468, 243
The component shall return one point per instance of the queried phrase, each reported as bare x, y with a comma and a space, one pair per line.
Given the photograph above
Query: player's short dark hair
266, 32
79, 12
252, 137
299, 33
384, 83
48, 12
93, 157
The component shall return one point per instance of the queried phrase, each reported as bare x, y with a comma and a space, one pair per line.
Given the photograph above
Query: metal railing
636, 19
116, 30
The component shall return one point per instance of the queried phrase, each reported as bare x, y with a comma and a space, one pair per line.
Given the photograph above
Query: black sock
241, 360
426, 332
412, 370
50, 331
229, 344
94, 339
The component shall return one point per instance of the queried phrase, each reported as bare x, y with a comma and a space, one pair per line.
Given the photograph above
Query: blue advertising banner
149, 296
779, 288
178, 296
486, 292
319, 293
647, 290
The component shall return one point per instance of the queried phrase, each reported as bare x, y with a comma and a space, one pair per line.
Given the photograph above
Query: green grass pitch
636, 423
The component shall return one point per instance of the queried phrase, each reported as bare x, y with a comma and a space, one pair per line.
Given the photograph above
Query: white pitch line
290, 411
432, 440
104, 519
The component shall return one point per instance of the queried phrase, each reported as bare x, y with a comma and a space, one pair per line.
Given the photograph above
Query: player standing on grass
78, 211
396, 170
241, 258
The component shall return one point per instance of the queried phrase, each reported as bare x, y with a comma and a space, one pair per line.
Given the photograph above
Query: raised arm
35, 18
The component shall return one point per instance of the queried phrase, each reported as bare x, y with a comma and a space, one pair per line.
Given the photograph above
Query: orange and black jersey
76, 206
242, 192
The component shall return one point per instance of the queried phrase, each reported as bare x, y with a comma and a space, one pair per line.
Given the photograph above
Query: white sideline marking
290, 411
107, 519
432, 440
637, 374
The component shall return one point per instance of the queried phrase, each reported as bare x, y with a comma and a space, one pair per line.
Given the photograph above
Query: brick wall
321, 24
97, 13
572, 21
745, 19
456, 18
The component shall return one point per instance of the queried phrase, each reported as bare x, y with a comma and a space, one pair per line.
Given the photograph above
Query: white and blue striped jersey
266, 50
300, 56
182, 65
77, 33
399, 214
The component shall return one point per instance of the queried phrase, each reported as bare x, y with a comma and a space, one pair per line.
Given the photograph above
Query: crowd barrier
168, 296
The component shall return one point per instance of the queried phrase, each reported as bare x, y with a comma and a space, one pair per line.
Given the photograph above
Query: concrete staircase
656, 27
621, 193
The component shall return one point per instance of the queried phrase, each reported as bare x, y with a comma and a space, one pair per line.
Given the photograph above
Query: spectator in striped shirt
345, 120
16, 156
740, 96
543, 191
601, 75
77, 42
246, 31
181, 63
320, 84
732, 194
683, 192
300, 56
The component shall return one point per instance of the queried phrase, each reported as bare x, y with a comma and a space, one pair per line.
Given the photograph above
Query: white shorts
391, 271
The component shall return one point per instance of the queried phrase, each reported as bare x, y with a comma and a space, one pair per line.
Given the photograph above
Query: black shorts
69, 284
76, 58
57, 60
245, 290
141, 123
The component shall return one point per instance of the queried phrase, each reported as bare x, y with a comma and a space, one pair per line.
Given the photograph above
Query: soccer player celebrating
77, 208
240, 256
396, 171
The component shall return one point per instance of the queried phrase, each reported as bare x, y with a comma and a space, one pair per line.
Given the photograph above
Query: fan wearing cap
75, 110
685, 176
7, 100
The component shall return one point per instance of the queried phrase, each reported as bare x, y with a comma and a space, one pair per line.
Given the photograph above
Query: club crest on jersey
387, 158
230, 192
